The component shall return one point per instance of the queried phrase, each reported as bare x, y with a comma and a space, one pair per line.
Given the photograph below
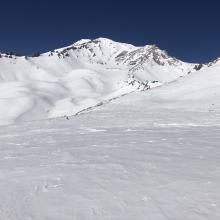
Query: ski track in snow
113, 163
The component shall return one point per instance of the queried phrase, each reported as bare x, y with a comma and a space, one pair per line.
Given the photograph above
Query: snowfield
127, 153
124, 160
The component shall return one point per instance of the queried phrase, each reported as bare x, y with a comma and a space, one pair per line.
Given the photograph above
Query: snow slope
199, 90
68, 80
149, 155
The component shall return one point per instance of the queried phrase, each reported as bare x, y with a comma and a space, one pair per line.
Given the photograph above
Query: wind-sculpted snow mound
28, 100
38, 99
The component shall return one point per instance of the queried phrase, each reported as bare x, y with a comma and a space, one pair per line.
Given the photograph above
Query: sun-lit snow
148, 155
68, 80
142, 142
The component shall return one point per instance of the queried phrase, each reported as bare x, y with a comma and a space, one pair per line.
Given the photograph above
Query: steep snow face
105, 52
67, 80
101, 51
141, 63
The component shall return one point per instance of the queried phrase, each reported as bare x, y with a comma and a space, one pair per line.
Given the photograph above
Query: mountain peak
82, 41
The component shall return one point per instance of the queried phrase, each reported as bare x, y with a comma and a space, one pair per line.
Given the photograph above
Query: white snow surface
67, 80
149, 155
125, 152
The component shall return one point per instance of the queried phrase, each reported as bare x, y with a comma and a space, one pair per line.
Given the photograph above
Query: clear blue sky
189, 30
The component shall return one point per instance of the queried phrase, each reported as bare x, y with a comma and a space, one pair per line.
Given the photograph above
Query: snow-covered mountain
147, 155
68, 80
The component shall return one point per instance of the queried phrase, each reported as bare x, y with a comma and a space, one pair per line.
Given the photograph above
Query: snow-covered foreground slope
148, 155
68, 80
151, 154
